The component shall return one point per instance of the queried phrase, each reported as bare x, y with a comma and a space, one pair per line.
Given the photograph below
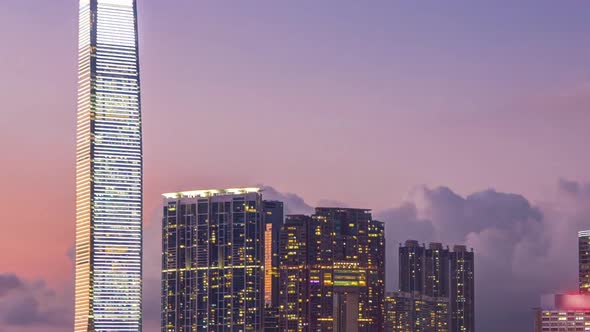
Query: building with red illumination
563, 313
584, 261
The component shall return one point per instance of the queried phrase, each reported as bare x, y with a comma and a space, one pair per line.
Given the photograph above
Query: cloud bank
522, 249
30, 304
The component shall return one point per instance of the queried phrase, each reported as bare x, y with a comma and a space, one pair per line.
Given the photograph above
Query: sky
422, 111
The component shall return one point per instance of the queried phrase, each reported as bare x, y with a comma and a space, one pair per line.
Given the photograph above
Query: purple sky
355, 102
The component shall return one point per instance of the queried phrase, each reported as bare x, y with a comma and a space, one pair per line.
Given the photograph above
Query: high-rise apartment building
436, 271
294, 309
213, 261
411, 267
439, 273
584, 261
108, 169
462, 290
414, 312
332, 272
424, 270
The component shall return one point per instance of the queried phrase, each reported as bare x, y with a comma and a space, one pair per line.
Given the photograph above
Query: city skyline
411, 110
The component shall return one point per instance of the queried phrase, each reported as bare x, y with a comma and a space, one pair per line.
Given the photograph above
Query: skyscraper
414, 312
462, 290
356, 247
438, 273
273, 220
273, 216
584, 261
213, 261
411, 267
332, 272
436, 270
294, 280
108, 169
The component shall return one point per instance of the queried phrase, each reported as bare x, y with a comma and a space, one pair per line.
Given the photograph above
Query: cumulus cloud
24, 304
294, 204
9, 282
575, 189
522, 249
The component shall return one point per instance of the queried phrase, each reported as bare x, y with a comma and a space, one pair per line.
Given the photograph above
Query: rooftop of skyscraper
211, 192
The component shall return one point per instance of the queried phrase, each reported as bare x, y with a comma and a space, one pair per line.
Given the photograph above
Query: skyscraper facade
213, 261
436, 271
273, 213
334, 262
273, 216
108, 169
411, 267
462, 290
293, 305
414, 312
584, 261
424, 270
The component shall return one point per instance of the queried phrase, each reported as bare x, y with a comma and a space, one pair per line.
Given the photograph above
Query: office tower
462, 290
414, 312
293, 306
563, 313
411, 267
436, 271
334, 260
108, 169
584, 261
212, 264
273, 220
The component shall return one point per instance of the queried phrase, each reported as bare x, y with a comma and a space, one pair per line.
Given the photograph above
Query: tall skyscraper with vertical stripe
108, 170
